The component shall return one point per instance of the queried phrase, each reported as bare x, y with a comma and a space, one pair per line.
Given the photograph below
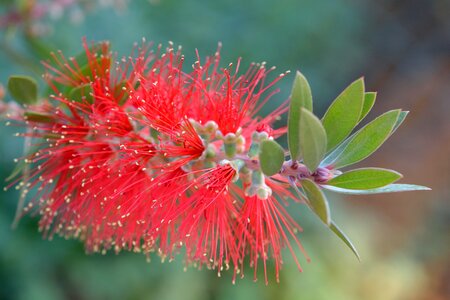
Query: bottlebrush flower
142, 155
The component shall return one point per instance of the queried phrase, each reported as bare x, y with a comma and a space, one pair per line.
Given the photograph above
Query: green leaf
364, 179
38, 117
59, 87
330, 158
369, 101
81, 93
80, 63
23, 89
401, 117
301, 97
313, 139
344, 238
21, 164
271, 157
368, 139
392, 188
96, 49
17, 170
344, 113
318, 202
89, 70
121, 93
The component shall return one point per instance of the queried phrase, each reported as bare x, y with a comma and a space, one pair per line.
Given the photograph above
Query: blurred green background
403, 50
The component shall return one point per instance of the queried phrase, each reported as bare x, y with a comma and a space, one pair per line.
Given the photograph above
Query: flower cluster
143, 156
139, 154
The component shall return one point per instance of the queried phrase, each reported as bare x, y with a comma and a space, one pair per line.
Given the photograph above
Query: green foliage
313, 142
81, 93
38, 117
368, 139
369, 101
330, 158
392, 188
18, 168
120, 93
401, 117
89, 70
339, 233
301, 97
317, 200
96, 49
23, 89
81, 63
310, 139
271, 157
363, 179
344, 113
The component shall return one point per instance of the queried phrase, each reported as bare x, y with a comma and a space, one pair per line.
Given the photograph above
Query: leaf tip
361, 79
339, 233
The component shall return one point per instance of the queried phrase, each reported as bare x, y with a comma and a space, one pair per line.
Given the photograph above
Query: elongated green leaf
271, 157
369, 101
95, 67
344, 113
344, 238
21, 164
120, 93
81, 93
17, 170
38, 117
301, 97
330, 158
318, 202
96, 49
368, 139
364, 179
401, 117
392, 188
23, 89
80, 63
313, 139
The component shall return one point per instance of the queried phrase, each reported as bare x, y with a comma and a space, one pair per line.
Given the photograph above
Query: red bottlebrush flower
265, 229
143, 156
207, 227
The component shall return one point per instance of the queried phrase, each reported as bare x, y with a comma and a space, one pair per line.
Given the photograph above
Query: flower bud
322, 175
258, 187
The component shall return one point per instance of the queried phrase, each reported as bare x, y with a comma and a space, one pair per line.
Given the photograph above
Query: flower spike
139, 154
